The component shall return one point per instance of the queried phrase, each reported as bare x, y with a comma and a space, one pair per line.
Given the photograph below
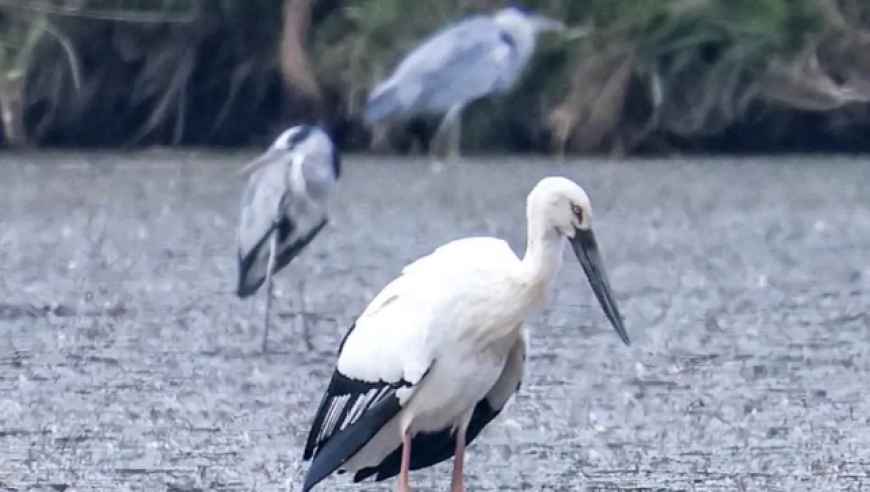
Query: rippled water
127, 364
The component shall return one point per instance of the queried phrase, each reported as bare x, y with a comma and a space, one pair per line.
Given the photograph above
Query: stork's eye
578, 212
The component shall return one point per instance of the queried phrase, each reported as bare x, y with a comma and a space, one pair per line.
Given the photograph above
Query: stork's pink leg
457, 484
404, 486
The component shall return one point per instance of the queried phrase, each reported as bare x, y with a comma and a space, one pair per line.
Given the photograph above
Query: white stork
439, 352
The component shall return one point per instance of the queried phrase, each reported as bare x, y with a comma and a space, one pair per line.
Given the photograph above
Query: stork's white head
560, 207
559, 203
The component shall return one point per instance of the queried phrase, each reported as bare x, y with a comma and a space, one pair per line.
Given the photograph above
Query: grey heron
441, 349
284, 207
478, 56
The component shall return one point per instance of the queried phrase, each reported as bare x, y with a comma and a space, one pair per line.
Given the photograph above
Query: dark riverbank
654, 77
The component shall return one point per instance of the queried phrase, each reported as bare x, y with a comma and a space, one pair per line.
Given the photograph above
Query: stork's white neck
543, 256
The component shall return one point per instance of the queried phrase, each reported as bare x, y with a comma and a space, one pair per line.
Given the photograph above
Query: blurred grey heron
284, 206
438, 353
451, 68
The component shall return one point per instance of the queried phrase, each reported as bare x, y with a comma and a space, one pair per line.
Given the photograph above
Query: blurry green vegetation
631, 75
151, 71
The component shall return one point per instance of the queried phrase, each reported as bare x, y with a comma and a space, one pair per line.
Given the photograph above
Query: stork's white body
458, 314
442, 347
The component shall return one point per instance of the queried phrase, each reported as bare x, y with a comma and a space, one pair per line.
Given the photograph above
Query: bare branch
43, 23
71, 55
42, 7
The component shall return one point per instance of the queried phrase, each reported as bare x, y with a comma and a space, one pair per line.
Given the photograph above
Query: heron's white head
306, 142
558, 208
515, 17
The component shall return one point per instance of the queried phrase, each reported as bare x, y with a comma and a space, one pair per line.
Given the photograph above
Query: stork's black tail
346, 443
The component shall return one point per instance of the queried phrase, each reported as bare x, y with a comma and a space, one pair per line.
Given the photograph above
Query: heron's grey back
260, 202
289, 195
318, 174
455, 65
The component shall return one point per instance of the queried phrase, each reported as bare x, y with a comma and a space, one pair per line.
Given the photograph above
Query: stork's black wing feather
350, 414
287, 251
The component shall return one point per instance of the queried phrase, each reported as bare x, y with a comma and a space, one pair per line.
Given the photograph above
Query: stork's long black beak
586, 248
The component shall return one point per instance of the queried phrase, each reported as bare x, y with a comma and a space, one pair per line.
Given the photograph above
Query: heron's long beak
586, 248
259, 161
547, 24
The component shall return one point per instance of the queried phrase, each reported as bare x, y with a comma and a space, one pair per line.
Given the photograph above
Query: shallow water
127, 364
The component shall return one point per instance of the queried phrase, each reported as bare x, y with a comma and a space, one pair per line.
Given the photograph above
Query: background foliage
631, 75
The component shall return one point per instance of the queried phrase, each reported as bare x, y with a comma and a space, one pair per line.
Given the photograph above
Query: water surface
127, 364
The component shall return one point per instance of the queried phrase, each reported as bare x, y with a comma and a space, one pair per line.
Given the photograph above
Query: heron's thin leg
303, 316
457, 484
448, 132
380, 137
404, 485
455, 139
273, 245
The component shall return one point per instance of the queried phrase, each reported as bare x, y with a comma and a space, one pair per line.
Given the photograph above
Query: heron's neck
543, 256
523, 39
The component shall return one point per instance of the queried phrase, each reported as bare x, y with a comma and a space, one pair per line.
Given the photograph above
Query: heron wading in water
478, 56
284, 207
441, 349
